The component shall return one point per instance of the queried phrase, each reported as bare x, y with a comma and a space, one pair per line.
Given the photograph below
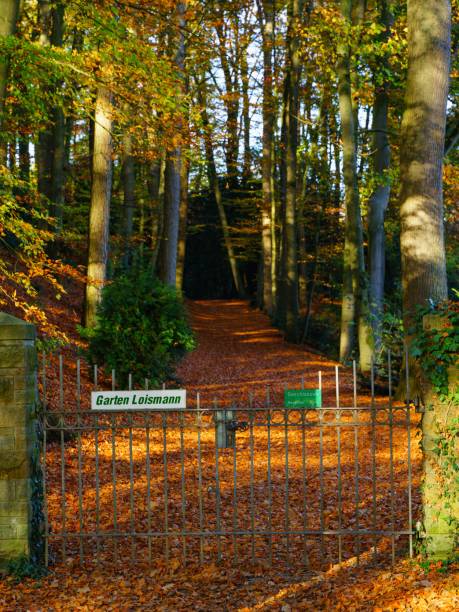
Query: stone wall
18, 437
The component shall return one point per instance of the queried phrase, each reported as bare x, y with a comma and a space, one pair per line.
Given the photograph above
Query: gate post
18, 440
440, 496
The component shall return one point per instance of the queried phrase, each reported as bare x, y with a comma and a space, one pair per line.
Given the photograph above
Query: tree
288, 297
172, 177
9, 12
99, 215
266, 20
354, 317
422, 235
379, 199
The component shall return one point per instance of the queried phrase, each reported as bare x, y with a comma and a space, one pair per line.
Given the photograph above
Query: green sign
303, 398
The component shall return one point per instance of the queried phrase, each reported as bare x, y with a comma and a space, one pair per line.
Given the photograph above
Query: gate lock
226, 427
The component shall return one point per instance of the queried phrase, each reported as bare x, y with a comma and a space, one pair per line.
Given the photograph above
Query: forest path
240, 352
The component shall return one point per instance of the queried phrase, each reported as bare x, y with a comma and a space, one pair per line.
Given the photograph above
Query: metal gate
250, 482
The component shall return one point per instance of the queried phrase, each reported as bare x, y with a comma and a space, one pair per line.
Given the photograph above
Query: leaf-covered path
240, 353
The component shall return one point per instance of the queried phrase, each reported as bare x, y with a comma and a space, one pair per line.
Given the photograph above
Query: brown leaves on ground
238, 354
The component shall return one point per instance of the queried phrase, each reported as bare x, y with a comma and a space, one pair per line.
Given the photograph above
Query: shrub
142, 329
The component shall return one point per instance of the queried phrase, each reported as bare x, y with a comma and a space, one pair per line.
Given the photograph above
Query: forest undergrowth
239, 354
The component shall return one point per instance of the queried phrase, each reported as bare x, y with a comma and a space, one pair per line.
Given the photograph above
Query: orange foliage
239, 352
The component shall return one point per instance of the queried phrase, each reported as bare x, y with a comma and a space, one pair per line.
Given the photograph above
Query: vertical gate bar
391, 456
45, 501
270, 492
322, 542
183, 489
115, 517
78, 371
63, 509
131, 491
201, 514
321, 483
166, 486
252, 479
96, 444
338, 442
303, 465
113, 380
373, 454
130, 382
235, 517
356, 457
61, 383
96, 450
80, 487
217, 490
408, 424
287, 492
302, 381
43, 379
148, 468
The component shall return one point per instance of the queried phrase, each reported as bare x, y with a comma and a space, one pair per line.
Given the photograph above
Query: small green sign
303, 398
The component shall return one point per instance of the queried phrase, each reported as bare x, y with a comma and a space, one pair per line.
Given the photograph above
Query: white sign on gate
139, 400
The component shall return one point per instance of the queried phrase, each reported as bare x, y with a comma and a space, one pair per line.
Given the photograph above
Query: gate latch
237, 425
225, 428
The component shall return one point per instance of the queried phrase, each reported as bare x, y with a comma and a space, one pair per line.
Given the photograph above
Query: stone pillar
18, 436
440, 496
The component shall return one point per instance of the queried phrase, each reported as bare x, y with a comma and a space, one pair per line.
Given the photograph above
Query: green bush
142, 329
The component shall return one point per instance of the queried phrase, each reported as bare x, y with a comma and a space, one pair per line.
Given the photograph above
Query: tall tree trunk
57, 187
422, 233
183, 222
44, 148
155, 184
231, 99
128, 177
24, 158
247, 165
290, 250
379, 199
168, 269
266, 19
99, 213
354, 314
172, 177
9, 12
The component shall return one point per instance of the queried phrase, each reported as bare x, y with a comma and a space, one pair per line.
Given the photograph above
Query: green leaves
142, 329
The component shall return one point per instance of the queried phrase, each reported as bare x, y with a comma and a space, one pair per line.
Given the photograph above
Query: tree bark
231, 100
99, 213
172, 178
290, 250
183, 222
57, 187
247, 165
266, 19
354, 315
379, 199
155, 184
421, 216
9, 13
128, 177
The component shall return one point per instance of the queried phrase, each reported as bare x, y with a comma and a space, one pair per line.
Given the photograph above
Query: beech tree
99, 215
9, 11
424, 277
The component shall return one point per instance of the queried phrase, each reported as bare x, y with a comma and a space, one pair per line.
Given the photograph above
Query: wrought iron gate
252, 482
